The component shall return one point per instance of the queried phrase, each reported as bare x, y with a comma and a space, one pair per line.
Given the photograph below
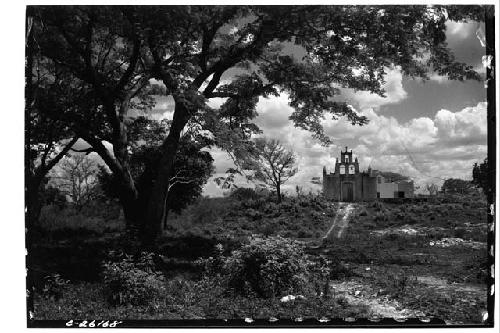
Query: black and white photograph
269, 165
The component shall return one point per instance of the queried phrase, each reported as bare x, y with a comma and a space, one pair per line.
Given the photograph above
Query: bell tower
345, 156
346, 165
348, 183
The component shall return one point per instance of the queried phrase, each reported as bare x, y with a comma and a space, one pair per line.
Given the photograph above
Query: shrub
363, 212
379, 206
380, 216
208, 210
243, 194
268, 228
133, 281
396, 285
253, 214
267, 267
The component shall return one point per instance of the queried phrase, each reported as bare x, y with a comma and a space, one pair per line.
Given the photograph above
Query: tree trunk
33, 204
33, 208
132, 212
156, 205
278, 192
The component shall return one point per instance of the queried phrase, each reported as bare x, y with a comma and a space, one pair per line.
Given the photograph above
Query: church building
347, 183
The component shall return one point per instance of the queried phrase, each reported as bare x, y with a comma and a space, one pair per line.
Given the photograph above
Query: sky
428, 131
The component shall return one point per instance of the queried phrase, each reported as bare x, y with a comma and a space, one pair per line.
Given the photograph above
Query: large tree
192, 168
47, 138
237, 54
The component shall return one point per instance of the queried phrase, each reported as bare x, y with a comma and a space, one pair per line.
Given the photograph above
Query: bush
208, 210
396, 285
378, 206
380, 216
268, 228
133, 281
243, 194
304, 233
267, 267
363, 212
253, 214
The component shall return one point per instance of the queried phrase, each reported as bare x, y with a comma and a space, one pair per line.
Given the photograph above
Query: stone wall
364, 186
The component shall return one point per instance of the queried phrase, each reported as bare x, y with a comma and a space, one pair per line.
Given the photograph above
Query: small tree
273, 163
77, 178
456, 186
481, 175
432, 189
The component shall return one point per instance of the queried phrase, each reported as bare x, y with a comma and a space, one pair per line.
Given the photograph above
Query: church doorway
347, 191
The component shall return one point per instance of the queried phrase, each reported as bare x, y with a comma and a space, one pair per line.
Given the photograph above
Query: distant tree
456, 186
76, 176
481, 176
432, 189
272, 163
53, 196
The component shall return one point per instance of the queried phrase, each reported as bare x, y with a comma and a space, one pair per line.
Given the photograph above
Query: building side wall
407, 188
330, 186
364, 186
387, 190
369, 187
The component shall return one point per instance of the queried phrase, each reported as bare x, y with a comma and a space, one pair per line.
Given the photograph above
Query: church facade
348, 183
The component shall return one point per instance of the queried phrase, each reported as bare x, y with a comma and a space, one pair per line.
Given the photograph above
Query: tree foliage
481, 176
193, 166
456, 186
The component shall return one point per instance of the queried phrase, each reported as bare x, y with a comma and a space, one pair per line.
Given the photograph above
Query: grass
374, 239
96, 220
304, 217
189, 300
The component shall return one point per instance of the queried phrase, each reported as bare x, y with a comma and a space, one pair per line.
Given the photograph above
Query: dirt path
340, 221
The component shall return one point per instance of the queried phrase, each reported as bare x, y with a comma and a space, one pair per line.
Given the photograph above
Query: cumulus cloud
428, 149
394, 92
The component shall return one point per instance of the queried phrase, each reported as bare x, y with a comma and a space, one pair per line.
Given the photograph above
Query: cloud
394, 92
428, 149
459, 30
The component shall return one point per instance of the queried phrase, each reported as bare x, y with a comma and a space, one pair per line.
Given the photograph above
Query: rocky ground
417, 286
